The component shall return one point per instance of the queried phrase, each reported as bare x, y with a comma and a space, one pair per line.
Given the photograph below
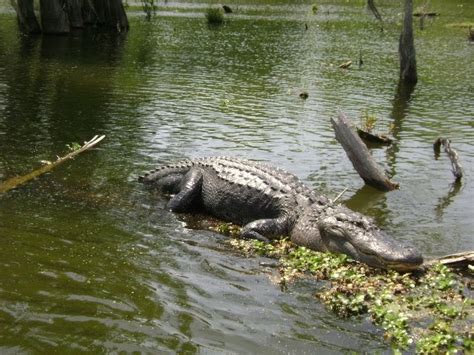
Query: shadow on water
370, 201
400, 106
445, 201
68, 81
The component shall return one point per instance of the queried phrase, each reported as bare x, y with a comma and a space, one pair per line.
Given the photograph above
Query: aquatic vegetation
368, 121
214, 16
429, 309
73, 146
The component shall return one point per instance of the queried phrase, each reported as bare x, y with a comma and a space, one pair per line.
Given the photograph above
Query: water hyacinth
398, 303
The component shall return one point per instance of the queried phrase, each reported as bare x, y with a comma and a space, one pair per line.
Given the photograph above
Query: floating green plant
403, 305
368, 120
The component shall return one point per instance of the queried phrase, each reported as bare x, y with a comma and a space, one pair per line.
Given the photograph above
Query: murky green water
91, 261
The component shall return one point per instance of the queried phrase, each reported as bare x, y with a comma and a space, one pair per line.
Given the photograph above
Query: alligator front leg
189, 192
170, 183
265, 229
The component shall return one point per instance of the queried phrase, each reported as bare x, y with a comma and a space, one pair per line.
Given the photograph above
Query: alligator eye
341, 217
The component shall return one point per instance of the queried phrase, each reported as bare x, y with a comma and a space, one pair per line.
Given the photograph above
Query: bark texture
359, 155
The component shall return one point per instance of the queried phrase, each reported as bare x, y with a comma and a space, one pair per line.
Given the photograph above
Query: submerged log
374, 138
359, 155
452, 154
19, 180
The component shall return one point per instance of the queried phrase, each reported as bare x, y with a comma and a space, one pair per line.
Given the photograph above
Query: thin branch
373, 8
19, 180
340, 195
456, 167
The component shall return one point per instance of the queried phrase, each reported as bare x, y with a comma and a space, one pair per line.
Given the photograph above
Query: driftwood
345, 65
452, 154
459, 260
19, 180
359, 155
374, 138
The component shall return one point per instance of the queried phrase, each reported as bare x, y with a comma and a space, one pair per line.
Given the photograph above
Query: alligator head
344, 231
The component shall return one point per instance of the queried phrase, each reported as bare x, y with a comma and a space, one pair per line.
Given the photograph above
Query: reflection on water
92, 262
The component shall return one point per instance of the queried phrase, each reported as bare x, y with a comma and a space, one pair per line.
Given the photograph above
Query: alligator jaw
347, 232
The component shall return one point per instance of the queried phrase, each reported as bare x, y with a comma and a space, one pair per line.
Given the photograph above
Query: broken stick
359, 155
452, 154
19, 180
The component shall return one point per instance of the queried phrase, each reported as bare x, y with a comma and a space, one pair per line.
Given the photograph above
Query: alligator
270, 202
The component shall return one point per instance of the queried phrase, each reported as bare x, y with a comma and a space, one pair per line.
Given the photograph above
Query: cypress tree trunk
26, 17
54, 18
406, 47
59, 16
111, 14
74, 10
89, 15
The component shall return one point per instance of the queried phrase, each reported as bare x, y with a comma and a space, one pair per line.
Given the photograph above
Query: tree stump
359, 155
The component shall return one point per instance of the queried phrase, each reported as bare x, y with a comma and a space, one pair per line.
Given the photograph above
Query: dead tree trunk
359, 155
54, 18
406, 48
453, 156
111, 14
26, 17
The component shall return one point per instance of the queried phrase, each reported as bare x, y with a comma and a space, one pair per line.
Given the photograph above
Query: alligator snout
353, 234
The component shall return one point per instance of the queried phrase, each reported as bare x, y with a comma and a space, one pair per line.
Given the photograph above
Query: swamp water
91, 261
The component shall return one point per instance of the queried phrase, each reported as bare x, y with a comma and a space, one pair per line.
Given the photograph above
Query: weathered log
359, 155
458, 260
19, 180
452, 154
374, 138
